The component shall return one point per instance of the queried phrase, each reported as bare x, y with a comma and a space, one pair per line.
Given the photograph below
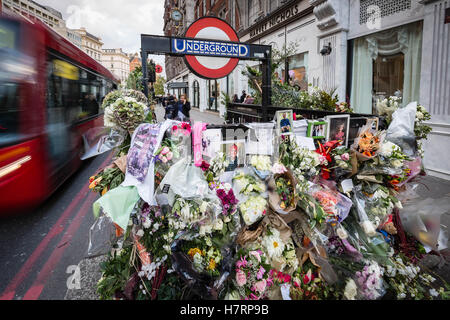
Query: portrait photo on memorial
317, 129
234, 154
285, 120
338, 128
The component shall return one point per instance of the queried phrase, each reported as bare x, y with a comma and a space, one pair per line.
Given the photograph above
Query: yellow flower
95, 182
105, 190
212, 264
194, 251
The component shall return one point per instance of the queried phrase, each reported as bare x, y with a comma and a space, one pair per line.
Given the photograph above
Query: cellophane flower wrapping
401, 129
368, 142
335, 205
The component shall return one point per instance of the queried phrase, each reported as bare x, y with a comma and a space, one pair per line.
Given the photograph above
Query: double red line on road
36, 289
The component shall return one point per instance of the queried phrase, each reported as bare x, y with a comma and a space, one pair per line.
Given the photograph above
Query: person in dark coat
243, 96
171, 108
184, 106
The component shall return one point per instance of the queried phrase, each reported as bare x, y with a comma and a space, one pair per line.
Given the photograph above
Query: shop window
388, 75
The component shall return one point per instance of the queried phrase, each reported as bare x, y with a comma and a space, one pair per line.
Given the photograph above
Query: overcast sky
119, 23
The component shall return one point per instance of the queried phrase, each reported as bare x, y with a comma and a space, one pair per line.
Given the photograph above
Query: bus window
9, 82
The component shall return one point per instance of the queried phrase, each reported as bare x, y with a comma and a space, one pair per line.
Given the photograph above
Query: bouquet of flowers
370, 281
408, 280
281, 253
343, 107
112, 96
253, 209
387, 107
107, 179
226, 196
373, 204
282, 190
342, 158
125, 113
302, 161
368, 142
307, 285
252, 280
335, 205
421, 130
247, 184
262, 165
215, 168
205, 259
189, 212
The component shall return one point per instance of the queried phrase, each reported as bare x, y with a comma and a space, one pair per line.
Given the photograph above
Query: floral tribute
211, 233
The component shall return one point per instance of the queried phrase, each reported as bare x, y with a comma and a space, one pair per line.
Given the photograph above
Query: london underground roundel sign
211, 67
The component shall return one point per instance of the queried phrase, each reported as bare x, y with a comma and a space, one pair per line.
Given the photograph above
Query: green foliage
116, 272
159, 86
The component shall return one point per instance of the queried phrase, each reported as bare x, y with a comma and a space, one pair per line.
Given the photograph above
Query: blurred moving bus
50, 94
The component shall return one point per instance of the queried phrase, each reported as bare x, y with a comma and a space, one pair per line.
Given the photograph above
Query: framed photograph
317, 129
355, 124
374, 123
235, 153
211, 142
285, 122
338, 128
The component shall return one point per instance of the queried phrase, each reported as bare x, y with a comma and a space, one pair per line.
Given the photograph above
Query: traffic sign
214, 60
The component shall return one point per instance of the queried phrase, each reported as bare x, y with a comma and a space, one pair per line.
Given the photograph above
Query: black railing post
266, 83
144, 72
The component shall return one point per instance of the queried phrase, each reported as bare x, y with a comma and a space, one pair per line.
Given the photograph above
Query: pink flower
241, 263
163, 159
260, 286
256, 254
165, 150
345, 157
241, 279
169, 156
260, 273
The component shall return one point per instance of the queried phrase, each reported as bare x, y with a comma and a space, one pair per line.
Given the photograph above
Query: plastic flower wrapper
342, 161
102, 236
401, 129
386, 107
246, 183
203, 266
215, 168
368, 142
373, 203
422, 218
335, 205
251, 277
302, 161
262, 165
253, 209
99, 140
409, 281
282, 191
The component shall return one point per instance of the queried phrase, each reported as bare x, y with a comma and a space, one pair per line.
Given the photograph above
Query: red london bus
50, 94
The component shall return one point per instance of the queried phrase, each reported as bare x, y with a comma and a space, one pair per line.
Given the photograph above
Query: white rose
218, 224
203, 207
140, 233
368, 228
397, 163
350, 290
419, 115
